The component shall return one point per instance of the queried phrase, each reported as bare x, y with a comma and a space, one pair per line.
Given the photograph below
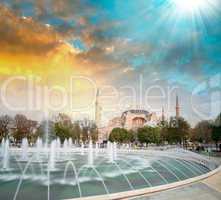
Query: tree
218, 120
216, 130
62, 131
115, 135
121, 135
202, 132
157, 133
93, 132
149, 135
216, 134
24, 128
46, 130
4, 126
76, 132
178, 130
63, 127
163, 128
88, 130
144, 135
131, 136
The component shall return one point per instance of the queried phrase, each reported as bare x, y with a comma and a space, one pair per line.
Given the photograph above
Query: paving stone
198, 191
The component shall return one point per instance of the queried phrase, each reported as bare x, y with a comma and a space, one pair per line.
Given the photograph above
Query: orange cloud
31, 48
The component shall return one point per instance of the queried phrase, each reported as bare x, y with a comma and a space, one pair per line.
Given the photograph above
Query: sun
190, 6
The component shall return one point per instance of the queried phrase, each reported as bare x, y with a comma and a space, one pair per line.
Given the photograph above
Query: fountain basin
131, 173
148, 191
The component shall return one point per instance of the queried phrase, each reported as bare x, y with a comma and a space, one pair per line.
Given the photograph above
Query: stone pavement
208, 189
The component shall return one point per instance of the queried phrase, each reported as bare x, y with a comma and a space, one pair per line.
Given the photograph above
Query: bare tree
202, 132
5, 120
23, 128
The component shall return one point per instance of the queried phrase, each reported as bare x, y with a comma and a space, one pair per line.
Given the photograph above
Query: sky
138, 53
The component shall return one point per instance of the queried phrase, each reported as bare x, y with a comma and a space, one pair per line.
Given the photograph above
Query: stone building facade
130, 120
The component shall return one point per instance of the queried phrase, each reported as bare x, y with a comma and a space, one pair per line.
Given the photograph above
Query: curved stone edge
146, 191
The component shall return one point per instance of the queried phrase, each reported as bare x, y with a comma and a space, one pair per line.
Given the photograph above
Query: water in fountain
51, 164
96, 149
46, 129
6, 155
110, 152
70, 143
24, 148
65, 145
81, 176
82, 148
58, 143
115, 151
39, 146
2, 147
58, 147
90, 154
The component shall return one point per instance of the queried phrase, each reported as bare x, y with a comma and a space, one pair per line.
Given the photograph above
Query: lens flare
190, 6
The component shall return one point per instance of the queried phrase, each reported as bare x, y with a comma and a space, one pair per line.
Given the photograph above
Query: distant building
98, 110
177, 108
130, 120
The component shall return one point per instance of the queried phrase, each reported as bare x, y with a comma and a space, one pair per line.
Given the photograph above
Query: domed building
130, 120
133, 119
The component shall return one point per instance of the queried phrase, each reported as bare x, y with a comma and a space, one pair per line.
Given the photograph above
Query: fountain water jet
70, 143
2, 146
110, 152
90, 154
24, 148
6, 155
39, 146
65, 145
96, 149
115, 151
82, 148
51, 164
58, 143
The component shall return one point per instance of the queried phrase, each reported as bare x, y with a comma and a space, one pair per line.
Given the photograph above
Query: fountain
57, 147
6, 155
51, 163
90, 154
82, 148
2, 147
80, 174
39, 146
24, 148
58, 143
70, 143
115, 151
110, 152
96, 148
65, 145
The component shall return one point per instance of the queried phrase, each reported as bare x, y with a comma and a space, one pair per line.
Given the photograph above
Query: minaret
163, 116
177, 107
97, 110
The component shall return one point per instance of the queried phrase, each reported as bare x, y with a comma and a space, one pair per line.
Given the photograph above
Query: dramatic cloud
24, 35
112, 42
